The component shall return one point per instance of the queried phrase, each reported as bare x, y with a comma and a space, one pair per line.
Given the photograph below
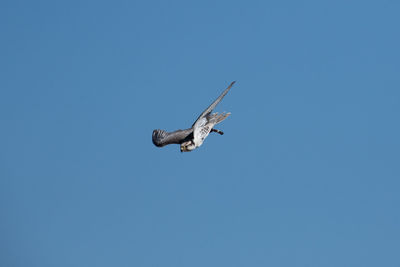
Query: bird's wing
162, 138
212, 106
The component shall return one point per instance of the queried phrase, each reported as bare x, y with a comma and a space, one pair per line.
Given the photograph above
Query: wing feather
162, 138
214, 104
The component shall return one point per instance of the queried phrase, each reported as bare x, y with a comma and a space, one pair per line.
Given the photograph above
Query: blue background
307, 173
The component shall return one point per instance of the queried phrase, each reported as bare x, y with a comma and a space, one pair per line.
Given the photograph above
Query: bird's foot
217, 131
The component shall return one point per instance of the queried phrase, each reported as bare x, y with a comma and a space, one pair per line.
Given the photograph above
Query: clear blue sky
307, 173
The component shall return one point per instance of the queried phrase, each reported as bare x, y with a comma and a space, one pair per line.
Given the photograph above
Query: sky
307, 173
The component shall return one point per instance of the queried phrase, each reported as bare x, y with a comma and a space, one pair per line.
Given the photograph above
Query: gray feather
214, 104
218, 117
162, 138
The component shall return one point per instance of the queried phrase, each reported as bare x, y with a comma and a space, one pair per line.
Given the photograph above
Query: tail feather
219, 117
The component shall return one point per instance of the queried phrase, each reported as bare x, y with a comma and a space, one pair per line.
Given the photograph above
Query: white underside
201, 133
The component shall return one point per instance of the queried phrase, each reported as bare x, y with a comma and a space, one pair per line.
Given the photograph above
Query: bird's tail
217, 117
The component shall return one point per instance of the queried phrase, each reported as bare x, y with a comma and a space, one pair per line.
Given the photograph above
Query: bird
193, 137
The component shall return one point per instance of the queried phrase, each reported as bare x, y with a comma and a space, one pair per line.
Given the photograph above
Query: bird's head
187, 146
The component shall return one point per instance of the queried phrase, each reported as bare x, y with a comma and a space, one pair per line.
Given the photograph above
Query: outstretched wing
213, 105
206, 121
162, 138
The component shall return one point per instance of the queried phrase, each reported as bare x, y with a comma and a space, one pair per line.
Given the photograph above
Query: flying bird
191, 138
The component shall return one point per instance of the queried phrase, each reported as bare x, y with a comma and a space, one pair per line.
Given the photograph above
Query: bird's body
192, 138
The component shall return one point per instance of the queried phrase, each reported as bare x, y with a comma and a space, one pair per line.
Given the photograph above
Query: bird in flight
192, 138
